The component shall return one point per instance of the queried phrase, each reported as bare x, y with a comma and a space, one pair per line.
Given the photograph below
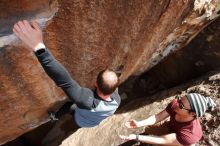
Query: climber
90, 106
183, 128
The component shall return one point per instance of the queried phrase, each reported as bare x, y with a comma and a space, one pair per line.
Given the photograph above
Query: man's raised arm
32, 36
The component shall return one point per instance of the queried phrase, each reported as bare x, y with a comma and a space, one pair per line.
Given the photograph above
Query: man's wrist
132, 136
138, 124
39, 46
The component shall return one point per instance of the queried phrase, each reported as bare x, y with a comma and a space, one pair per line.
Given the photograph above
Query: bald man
90, 106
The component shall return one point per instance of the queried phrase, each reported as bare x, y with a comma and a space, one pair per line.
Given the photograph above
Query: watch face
40, 51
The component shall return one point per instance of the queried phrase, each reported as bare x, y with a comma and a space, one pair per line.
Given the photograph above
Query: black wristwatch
40, 51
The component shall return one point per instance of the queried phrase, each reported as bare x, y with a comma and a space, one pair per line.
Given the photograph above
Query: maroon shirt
187, 133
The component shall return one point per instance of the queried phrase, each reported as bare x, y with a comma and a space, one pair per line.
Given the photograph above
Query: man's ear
96, 86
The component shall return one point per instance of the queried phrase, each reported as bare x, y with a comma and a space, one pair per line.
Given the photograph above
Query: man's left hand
129, 137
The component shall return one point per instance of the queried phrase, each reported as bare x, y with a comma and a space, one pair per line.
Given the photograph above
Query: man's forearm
152, 139
168, 139
54, 69
147, 122
159, 140
154, 119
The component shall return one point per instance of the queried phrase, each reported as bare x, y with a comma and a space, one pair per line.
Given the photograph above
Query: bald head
107, 81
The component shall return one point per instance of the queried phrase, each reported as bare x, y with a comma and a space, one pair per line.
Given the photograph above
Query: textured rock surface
201, 55
25, 91
87, 36
107, 133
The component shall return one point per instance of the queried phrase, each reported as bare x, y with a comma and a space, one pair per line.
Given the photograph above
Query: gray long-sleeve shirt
91, 109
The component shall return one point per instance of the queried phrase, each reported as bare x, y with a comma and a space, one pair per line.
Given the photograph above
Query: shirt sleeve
81, 96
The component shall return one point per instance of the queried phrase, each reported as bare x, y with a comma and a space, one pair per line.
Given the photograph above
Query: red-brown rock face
87, 36
201, 55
